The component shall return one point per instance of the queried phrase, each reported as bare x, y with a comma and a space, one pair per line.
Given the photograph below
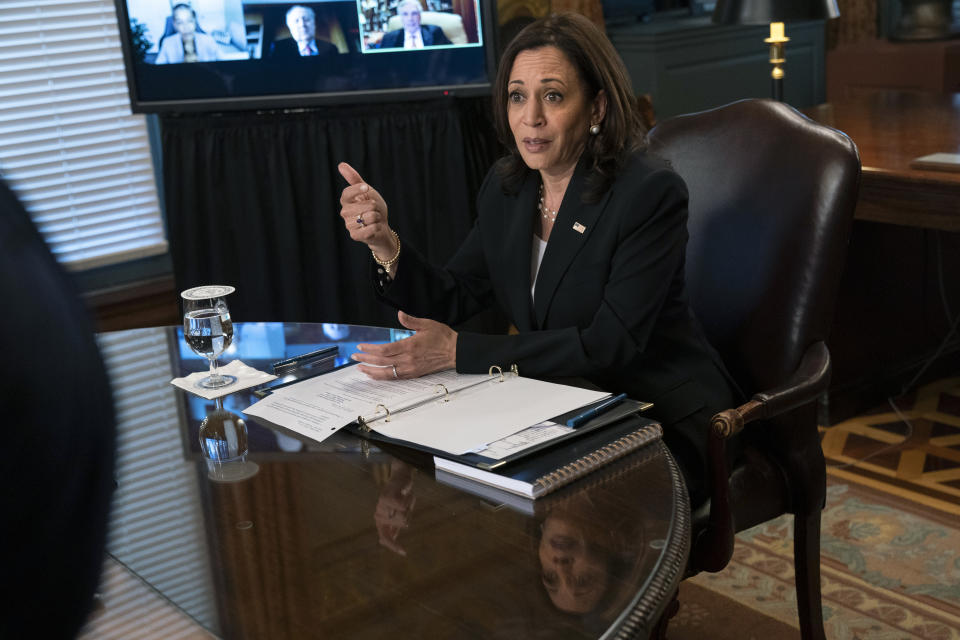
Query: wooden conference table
343, 539
891, 128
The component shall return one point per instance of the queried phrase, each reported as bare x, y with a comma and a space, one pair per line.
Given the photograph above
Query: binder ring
499, 372
387, 411
446, 394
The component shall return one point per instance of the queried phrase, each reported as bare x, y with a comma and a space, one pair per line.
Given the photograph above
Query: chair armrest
713, 547
808, 381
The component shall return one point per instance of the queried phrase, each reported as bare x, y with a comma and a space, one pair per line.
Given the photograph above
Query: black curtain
252, 199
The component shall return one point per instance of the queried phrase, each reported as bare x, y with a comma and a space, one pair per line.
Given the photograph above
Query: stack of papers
447, 411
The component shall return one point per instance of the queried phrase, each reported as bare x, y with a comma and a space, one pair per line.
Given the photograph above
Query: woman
187, 44
592, 552
580, 238
587, 551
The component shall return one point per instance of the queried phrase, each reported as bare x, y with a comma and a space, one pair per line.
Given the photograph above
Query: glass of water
207, 328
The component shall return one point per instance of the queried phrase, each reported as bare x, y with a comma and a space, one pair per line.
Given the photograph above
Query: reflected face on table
336, 331
574, 576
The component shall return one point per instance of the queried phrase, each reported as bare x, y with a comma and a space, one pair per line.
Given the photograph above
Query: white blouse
536, 257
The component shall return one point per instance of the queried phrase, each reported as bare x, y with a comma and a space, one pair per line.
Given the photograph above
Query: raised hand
432, 348
364, 214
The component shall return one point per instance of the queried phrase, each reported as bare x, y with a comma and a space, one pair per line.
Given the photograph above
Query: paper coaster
246, 377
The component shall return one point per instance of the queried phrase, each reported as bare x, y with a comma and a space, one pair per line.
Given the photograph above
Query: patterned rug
890, 570
890, 539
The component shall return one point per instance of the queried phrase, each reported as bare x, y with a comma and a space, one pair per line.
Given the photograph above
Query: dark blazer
287, 49
432, 35
58, 443
610, 302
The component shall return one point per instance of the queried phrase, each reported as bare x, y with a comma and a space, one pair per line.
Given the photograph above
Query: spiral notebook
603, 475
538, 475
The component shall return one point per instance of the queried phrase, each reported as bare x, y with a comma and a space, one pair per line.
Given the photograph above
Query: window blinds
69, 146
156, 525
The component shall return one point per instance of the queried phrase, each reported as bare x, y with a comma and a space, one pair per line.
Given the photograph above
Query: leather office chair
772, 195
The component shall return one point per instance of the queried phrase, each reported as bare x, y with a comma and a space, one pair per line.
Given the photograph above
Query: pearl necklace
544, 211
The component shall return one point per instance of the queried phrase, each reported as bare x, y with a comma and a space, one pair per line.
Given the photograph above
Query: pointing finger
349, 173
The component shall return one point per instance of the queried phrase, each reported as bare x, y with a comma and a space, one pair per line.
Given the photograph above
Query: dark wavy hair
599, 68
183, 5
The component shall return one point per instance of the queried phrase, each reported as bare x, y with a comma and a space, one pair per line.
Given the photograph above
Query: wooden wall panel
148, 303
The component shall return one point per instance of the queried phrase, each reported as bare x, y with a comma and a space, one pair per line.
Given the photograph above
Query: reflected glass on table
223, 443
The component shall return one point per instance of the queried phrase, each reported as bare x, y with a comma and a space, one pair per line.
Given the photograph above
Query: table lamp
774, 13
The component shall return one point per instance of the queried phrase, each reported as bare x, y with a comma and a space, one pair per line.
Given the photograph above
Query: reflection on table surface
891, 129
345, 539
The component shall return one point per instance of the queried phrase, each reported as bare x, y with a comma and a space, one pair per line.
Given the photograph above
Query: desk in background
890, 314
891, 128
918, 65
296, 550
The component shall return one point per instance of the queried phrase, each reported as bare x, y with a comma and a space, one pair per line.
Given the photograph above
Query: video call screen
222, 54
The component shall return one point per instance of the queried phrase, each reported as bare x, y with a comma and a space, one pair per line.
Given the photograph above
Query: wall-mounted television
219, 55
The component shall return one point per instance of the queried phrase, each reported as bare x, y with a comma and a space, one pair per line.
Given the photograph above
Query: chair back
772, 195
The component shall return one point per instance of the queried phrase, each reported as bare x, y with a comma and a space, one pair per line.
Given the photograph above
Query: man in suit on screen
302, 22
413, 35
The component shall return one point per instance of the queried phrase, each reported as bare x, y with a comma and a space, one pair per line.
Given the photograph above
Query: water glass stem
215, 378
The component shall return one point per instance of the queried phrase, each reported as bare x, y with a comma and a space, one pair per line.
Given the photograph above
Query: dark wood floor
908, 446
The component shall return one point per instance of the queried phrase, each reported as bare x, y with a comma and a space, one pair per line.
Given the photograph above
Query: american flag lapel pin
579, 228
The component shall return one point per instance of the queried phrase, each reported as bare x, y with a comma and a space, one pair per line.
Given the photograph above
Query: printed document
452, 412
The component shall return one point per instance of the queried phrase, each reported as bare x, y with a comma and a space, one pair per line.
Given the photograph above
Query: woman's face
183, 21
574, 576
549, 111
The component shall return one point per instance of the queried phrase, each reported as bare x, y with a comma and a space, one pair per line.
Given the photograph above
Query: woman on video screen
187, 44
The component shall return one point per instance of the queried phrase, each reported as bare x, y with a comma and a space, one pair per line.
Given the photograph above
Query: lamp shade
767, 11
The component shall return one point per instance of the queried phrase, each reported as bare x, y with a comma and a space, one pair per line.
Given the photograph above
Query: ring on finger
395, 376
360, 220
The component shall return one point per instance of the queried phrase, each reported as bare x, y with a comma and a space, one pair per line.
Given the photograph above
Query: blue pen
578, 420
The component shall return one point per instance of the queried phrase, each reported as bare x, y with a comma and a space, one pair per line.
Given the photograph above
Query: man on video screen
302, 23
413, 35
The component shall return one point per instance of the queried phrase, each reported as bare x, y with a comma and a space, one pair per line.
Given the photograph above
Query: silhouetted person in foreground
57, 448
